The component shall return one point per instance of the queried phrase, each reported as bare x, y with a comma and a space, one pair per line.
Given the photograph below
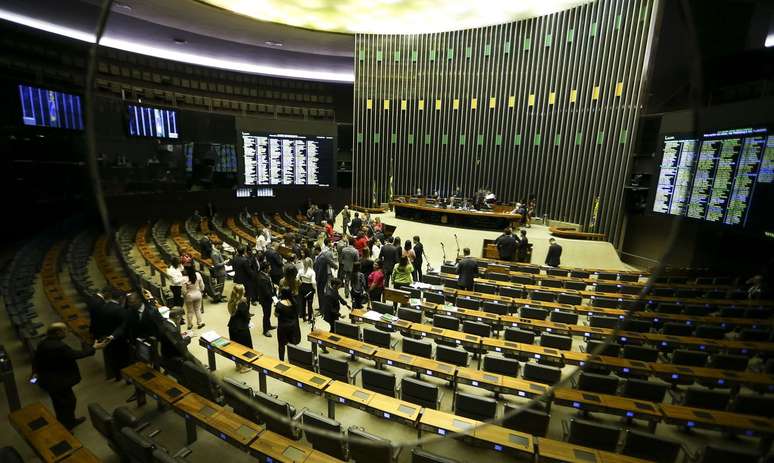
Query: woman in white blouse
306, 277
175, 274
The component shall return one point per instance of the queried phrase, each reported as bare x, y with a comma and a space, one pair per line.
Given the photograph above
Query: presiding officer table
455, 217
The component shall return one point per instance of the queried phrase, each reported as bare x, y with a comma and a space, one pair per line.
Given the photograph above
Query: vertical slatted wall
543, 106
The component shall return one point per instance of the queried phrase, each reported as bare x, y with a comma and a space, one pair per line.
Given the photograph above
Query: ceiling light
122, 6
393, 16
272, 43
179, 41
174, 54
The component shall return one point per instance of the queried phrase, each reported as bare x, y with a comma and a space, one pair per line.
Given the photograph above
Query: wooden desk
505, 440
273, 447
550, 450
611, 404
499, 383
82, 455
196, 410
457, 337
51, 441
146, 380
358, 315
455, 217
233, 428
748, 425
443, 423
291, 374
395, 409
234, 351
343, 343
421, 365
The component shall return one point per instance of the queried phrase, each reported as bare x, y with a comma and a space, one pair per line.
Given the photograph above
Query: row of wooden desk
199, 412
115, 279
581, 400
51, 441
63, 305
442, 423
149, 253
185, 246
624, 367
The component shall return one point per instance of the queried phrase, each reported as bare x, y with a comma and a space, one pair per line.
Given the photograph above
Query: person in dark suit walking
554, 254
467, 270
523, 246
55, 364
506, 245
244, 274
419, 253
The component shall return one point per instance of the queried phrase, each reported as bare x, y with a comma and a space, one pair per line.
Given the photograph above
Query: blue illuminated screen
145, 121
47, 108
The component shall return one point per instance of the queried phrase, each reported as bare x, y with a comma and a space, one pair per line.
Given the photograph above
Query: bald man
55, 365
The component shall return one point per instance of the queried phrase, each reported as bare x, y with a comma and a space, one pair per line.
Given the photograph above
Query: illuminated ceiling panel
392, 16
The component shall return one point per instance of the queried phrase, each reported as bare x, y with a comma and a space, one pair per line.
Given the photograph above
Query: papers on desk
372, 315
420, 285
415, 302
449, 307
210, 336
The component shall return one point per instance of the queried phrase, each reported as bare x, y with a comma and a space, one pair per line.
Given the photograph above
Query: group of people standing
510, 248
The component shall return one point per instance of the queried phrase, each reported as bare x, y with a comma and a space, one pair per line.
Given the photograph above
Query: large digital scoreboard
714, 177
287, 159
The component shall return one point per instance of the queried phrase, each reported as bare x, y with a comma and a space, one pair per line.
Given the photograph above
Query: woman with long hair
401, 274
239, 321
193, 288
306, 291
288, 330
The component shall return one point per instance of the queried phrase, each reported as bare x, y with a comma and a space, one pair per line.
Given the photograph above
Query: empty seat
557, 272
592, 382
495, 307
468, 303
318, 430
516, 293
670, 308
543, 296
477, 328
641, 353
677, 329
333, 367
365, 447
103, 423
607, 276
419, 348
569, 318
435, 297
633, 304
497, 276
277, 415
528, 420
715, 454
518, 335
162, 456
605, 302
523, 279
663, 292
527, 269
474, 407
239, 396
757, 312
542, 373
534, 313
636, 325
644, 390
647, 446
628, 277
599, 321
609, 349
556, 341
755, 335
625, 289
377, 338
431, 279
446, 322
198, 380
451, 355
501, 365
552, 283
760, 405
485, 288
698, 310
347, 329
378, 381
411, 315
598, 436
382, 307
420, 393
732, 312
729, 362
421, 456
691, 358
706, 398
710, 332
572, 299
135, 446
579, 274
607, 288
301, 356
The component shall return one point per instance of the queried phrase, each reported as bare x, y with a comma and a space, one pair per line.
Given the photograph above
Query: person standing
376, 283
361, 242
467, 270
307, 289
288, 330
55, 364
347, 258
389, 255
324, 265
408, 251
332, 302
192, 297
275, 261
419, 254
290, 280
265, 293
106, 315
239, 321
554, 254
244, 274
329, 228
506, 245
175, 274
523, 246
218, 273
358, 290
330, 214
345, 217
355, 225
401, 273
260, 241
366, 263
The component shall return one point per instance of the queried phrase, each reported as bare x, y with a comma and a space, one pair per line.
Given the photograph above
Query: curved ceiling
392, 16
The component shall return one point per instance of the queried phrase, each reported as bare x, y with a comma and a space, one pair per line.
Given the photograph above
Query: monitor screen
715, 177
225, 158
47, 108
287, 159
145, 121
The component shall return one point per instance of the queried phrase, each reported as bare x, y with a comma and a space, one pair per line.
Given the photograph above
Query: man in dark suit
523, 246
506, 245
323, 266
467, 270
554, 253
275, 261
419, 254
244, 274
390, 255
106, 316
55, 365
355, 225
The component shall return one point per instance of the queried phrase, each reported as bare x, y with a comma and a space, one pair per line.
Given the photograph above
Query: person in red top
376, 282
329, 229
361, 242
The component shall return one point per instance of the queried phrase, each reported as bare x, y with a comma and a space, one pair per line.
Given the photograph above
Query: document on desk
210, 336
372, 315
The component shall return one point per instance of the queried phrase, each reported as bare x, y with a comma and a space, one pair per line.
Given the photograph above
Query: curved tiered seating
63, 305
